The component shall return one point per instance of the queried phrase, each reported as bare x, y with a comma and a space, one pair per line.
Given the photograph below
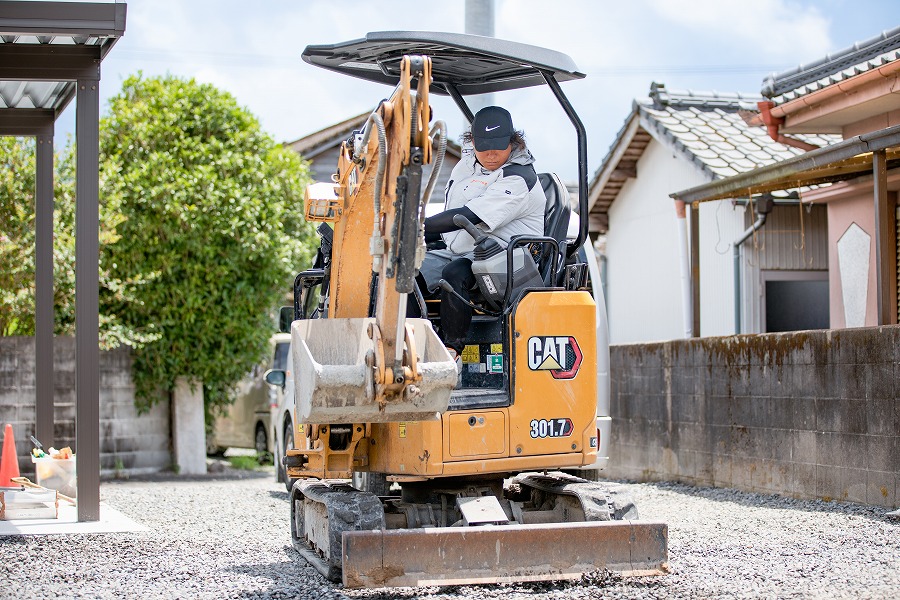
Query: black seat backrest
556, 214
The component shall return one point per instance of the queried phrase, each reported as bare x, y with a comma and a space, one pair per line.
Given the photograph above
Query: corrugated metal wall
794, 238
789, 241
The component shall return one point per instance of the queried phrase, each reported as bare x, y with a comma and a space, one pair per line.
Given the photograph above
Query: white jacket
510, 200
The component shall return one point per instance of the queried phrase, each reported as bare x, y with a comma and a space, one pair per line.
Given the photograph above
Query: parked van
247, 422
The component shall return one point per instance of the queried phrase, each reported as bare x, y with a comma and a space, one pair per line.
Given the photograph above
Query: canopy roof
848, 159
46, 46
473, 64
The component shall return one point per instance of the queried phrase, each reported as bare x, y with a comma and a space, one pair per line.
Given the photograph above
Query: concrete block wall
130, 443
811, 414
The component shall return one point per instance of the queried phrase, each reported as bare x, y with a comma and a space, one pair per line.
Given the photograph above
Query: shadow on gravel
279, 495
294, 577
290, 578
598, 580
752, 499
227, 474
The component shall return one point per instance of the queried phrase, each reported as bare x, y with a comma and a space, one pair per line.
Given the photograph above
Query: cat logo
558, 354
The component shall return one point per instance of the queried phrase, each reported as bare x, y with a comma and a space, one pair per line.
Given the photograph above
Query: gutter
773, 125
837, 89
687, 299
764, 206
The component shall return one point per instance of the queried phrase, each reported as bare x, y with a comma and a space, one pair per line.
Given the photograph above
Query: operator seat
557, 212
556, 218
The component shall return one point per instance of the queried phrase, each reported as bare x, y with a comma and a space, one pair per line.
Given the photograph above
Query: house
679, 139
323, 147
855, 94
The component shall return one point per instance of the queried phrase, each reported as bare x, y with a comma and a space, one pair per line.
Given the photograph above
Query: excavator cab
456, 477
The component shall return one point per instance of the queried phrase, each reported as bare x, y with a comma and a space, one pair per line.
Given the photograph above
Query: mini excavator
410, 472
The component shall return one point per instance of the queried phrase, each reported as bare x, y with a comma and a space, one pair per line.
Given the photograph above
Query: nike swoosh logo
492, 128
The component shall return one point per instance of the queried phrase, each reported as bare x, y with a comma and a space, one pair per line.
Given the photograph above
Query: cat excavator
412, 469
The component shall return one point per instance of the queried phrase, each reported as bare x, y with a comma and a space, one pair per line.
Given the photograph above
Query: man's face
493, 159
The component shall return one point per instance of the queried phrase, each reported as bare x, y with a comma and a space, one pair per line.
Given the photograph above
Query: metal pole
886, 308
43, 287
87, 305
695, 265
480, 21
581, 134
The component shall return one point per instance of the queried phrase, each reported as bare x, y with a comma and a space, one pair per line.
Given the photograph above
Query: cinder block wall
811, 414
130, 443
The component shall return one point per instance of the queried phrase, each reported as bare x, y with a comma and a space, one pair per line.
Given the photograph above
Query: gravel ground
227, 536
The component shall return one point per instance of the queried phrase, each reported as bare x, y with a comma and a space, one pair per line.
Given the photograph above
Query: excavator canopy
472, 64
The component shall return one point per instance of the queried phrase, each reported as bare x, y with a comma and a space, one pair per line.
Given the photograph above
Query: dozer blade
505, 553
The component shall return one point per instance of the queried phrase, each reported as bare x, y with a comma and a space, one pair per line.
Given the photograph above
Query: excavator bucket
334, 382
504, 553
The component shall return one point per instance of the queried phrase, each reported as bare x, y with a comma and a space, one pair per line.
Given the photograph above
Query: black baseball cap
492, 129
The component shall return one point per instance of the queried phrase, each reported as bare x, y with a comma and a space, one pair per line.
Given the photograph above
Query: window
795, 300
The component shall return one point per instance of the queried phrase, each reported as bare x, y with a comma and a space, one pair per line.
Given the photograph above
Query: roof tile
833, 68
707, 129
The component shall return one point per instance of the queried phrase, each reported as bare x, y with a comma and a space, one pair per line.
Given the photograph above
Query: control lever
477, 234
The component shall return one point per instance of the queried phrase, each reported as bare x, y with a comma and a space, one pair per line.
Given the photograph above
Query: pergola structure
870, 153
50, 53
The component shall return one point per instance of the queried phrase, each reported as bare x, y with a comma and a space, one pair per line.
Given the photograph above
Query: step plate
504, 553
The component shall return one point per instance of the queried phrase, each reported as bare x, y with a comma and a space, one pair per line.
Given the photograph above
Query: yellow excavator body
550, 422
462, 473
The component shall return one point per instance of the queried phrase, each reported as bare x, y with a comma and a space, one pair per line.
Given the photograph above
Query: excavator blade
504, 553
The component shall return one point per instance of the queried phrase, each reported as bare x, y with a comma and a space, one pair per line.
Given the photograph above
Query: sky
252, 50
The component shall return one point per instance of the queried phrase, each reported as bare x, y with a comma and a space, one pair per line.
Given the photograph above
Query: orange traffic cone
9, 462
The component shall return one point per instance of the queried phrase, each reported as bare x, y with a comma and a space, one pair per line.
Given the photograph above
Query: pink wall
856, 206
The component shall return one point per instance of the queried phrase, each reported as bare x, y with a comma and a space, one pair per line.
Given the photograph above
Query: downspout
763, 207
687, 302
773, 124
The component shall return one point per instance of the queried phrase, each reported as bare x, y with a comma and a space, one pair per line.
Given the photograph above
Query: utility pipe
763, 208
687, 302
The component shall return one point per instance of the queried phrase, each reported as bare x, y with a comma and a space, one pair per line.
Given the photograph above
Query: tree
17, 251
211, 225
16, 236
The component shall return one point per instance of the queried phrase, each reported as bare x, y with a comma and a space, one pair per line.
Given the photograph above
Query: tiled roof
833, 68
706, 128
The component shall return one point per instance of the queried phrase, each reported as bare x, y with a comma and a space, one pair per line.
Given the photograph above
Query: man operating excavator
495, 187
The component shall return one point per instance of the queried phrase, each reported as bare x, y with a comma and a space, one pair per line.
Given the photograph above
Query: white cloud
782, 30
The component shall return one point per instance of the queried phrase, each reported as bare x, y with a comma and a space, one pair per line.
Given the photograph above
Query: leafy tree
211, 225
17, 256
16, 236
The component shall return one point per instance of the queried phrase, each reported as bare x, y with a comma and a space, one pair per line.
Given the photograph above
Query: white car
281, 382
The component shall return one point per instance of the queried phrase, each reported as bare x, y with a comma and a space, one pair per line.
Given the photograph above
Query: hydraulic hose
440, 130
375, 246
